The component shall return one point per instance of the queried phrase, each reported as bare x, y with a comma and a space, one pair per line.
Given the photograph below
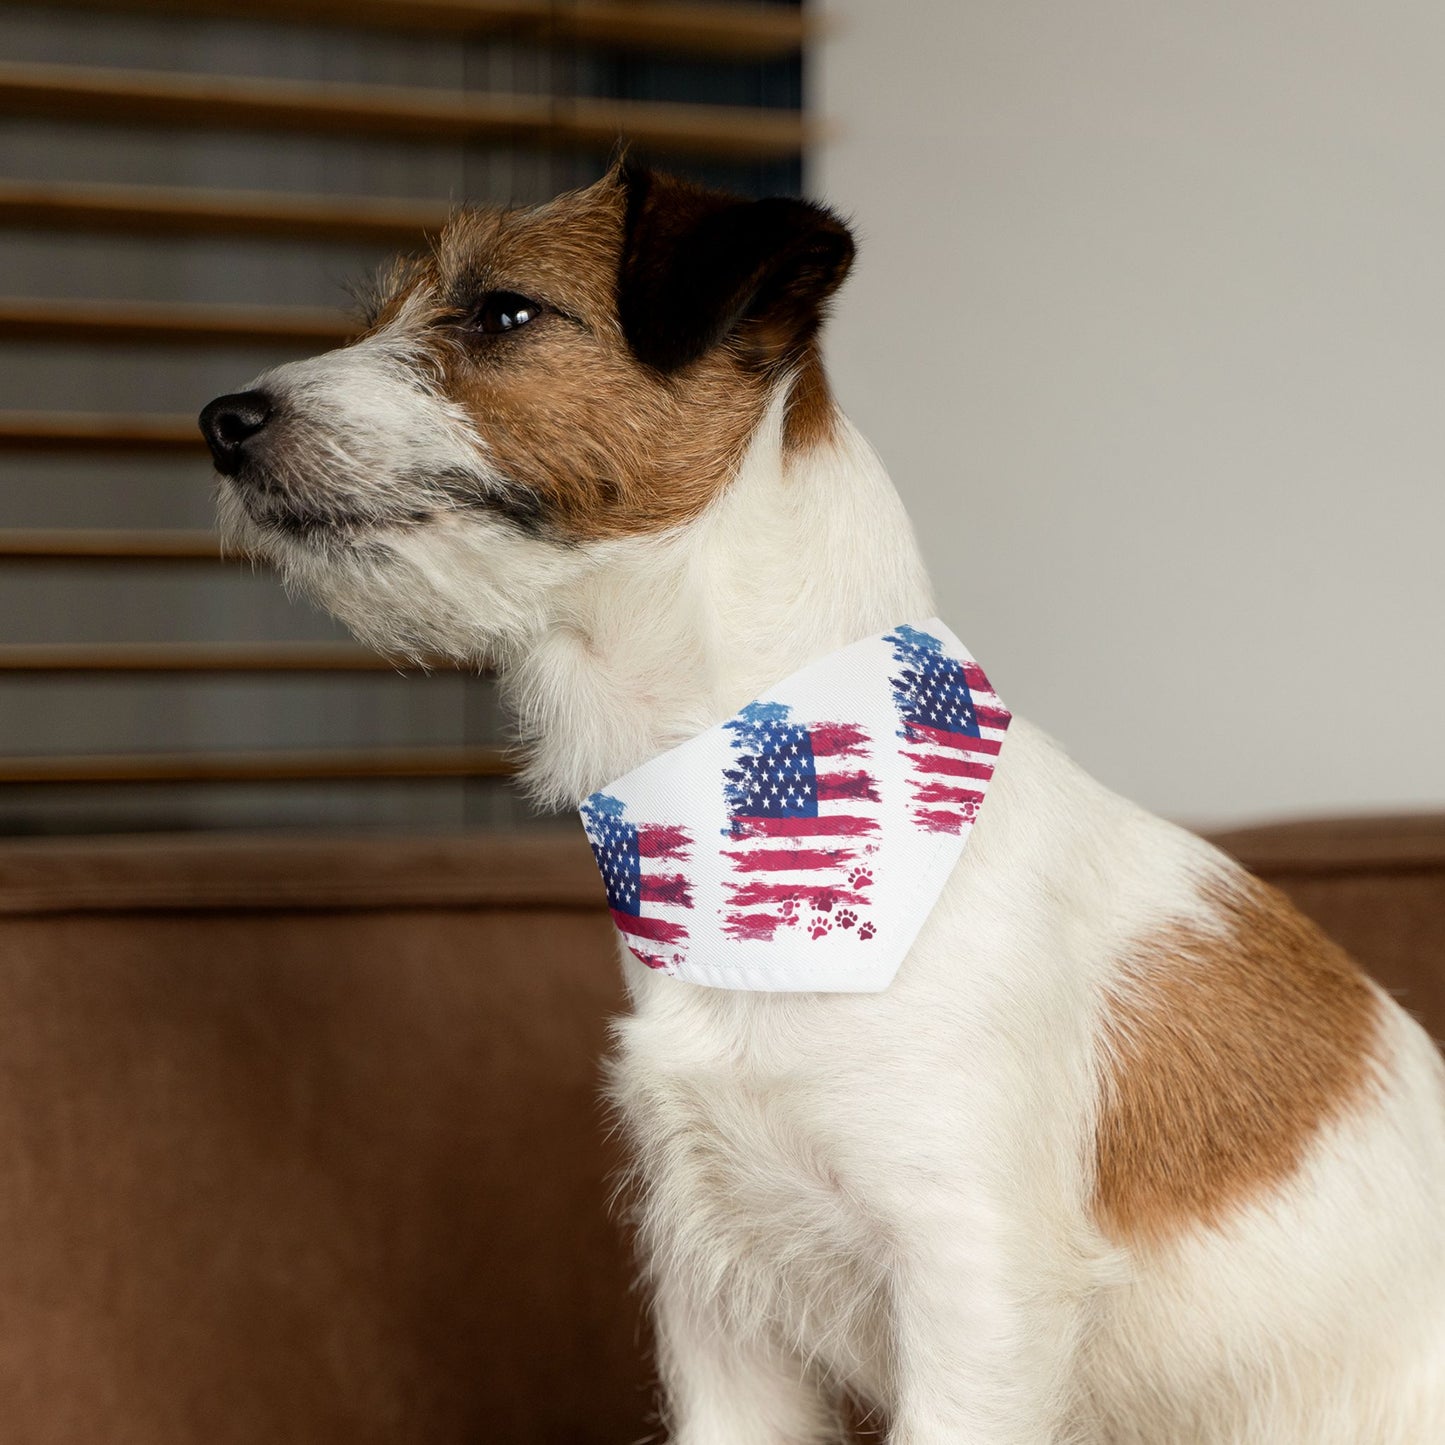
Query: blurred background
302, 1009
1149, 324
187, 193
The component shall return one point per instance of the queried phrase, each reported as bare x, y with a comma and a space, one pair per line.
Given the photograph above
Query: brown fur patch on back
1227, 1052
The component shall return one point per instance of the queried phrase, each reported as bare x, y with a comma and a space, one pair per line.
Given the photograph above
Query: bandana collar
801, 844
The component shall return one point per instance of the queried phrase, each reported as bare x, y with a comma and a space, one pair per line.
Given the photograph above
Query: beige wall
1149, 324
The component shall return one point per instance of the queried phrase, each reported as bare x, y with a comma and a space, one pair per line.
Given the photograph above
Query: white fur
889, 1194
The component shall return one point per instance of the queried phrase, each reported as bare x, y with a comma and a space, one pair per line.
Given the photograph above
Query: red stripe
992, 717
753, 927
939, 821
920, 732
661, 840
832, 786
650, 959
657, 929
664, 888
843, 827
837, 740
790, 859
973, 675
953, 767
942, 793
821, 896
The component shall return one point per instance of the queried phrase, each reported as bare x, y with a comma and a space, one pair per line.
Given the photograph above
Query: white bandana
800, 845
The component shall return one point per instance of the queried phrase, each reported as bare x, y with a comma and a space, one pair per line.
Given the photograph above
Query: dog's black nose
229, 422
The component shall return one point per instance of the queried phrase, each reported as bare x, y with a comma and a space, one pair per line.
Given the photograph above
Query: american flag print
804, 818
953, 728
800, 845
643, 871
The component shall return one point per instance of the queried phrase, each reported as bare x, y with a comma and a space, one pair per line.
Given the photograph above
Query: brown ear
698, 266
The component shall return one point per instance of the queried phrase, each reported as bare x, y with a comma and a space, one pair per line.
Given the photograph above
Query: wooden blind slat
172, 211
77, 431
271, 766
171, 323
81, 544
217, 102
214, 657
755, 32
760, 33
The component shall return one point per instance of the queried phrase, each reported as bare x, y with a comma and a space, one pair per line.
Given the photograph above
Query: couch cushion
302, 1137
303, 1143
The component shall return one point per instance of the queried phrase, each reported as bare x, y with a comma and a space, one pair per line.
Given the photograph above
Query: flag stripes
795, 781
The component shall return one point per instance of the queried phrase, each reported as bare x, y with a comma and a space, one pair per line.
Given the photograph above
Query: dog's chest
748, 1183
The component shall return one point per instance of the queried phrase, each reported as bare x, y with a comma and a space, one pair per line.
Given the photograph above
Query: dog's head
545, 384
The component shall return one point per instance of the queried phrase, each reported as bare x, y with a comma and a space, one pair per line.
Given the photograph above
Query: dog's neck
805, 552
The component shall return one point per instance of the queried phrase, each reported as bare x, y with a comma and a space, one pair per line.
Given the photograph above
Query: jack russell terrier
1107, 1143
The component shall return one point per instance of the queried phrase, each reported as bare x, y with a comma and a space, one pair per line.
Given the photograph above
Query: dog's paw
846, 918
867, 931
860, 878
820, 925
788, 911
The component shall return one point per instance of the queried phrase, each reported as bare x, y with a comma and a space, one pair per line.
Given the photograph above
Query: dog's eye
504, 311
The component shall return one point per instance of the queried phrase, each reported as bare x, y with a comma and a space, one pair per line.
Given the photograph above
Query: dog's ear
699, 266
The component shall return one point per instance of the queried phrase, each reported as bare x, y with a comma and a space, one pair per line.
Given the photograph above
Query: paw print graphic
820, 925
867, 931
846, 918
860, 877
788, 911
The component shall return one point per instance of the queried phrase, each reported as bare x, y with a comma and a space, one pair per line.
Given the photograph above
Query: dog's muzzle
231, 423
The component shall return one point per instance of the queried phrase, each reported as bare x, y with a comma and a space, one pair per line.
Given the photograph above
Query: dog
1128, 1152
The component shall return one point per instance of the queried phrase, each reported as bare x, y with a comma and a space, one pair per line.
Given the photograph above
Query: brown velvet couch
302, 1142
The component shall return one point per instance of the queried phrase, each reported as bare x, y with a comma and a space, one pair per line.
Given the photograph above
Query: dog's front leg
724, 1387
984, 1337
